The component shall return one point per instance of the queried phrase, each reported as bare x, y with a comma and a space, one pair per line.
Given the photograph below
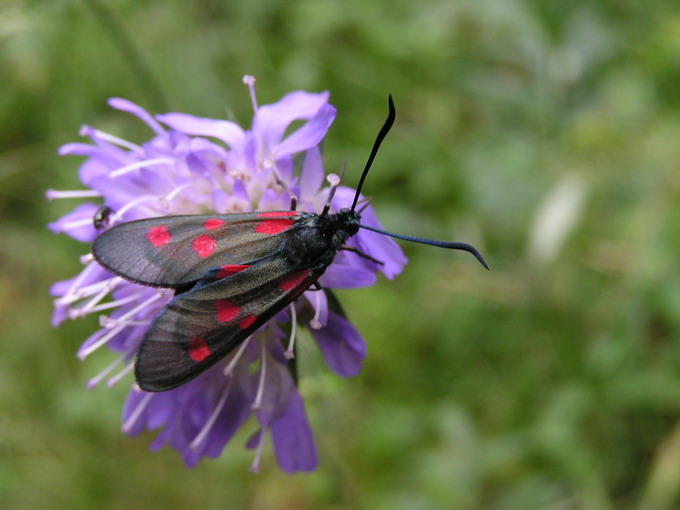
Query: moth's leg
361, 254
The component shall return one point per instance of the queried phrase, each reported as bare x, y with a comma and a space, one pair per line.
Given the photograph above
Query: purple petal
308, 135
285, 167
78, 223
271, 121
342, 346
340, 276
160, 410
128, 106
254, 439
97, 168
132, 404
78, 149
234, 414
293, 438
312, 173
61, 287
227, 131
279, 386
273, 201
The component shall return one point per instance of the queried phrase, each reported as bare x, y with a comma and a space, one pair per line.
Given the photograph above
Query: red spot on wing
226, 310
247, 321
213, 223
274, 226
229, 270
198, 349
204, 245
294, 279
277, 214
158, 236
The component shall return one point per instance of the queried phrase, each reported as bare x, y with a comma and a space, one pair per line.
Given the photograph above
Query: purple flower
195, 165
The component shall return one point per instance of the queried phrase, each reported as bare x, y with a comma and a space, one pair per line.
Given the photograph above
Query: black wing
203, 325
174, 251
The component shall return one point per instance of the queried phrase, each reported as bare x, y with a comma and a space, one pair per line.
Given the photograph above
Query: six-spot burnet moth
231, 274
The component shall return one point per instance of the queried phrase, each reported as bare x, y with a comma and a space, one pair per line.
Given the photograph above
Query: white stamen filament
132, 203
249, 81
255, 466
82, 311
101, 342
171, 196
260, 388
139, 164
86, 259
90, 131
79, 279
74, 294
123, 323
52, 194
109, 322
315, 322
70, 225
211, 419
130, 422
114, 304
229, 369
98, 378
114, 380
290, 352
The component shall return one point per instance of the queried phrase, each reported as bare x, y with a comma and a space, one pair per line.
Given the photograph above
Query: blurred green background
546, 132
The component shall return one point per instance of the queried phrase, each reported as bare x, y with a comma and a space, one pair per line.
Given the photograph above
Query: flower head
196, 165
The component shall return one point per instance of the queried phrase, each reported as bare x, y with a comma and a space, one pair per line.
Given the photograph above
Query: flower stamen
52, 194
229, 369
290, 352
114, 304
114, 380
134, 416
255, 466
96, 133
171, 196
72, 225
82, 311
200, 437
315, 322
76, 294
139, 164
122, 324
249, 81
115, 217
98, 378
257, 403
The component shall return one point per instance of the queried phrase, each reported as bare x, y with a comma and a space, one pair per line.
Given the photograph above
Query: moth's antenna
376, 145
441, 244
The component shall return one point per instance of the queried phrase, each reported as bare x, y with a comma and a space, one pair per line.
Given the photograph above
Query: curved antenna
392, 114
441, 244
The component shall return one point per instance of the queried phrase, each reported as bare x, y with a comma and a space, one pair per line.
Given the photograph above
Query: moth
231, 274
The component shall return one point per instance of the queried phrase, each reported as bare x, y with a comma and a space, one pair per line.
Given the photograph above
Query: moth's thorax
316, 238
341, 225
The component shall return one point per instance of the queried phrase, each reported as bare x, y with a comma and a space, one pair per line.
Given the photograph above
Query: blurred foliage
545, 132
